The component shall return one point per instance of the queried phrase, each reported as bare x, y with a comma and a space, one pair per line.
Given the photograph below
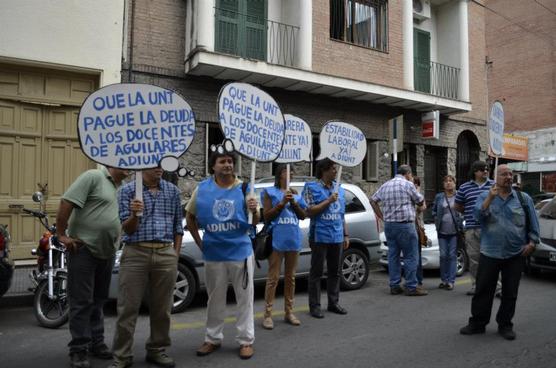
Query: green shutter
241, 28
422, 60
227, 26
255, 29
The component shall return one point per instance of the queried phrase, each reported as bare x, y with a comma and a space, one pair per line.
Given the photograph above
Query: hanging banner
135, 127
252, 120
496, 128
297, 141
343, 143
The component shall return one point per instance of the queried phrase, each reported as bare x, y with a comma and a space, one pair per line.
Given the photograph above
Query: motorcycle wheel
52, 313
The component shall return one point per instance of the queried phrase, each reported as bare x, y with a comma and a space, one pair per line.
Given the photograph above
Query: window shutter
227, 26
255, 29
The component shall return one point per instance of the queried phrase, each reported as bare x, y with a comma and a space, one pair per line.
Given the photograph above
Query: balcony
254, 37
435, 78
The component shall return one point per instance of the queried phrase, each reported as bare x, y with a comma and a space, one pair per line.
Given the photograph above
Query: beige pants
274, 265
145, 269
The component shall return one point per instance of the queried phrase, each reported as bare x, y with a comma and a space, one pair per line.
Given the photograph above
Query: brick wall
158, 37
355, 62
523, 70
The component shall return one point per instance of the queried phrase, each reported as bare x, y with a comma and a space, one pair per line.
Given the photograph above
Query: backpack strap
525, 209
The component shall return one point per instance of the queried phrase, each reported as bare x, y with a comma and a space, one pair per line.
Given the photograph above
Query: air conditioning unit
421, 10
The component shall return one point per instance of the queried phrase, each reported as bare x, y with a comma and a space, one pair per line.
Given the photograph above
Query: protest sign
135, 127
342, 143
496, 132
252, 120
298, 141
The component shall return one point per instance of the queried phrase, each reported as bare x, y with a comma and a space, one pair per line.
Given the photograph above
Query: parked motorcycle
51, 305
6, 263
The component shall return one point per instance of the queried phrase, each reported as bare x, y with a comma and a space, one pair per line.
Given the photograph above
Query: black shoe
507, 333
101, 351
471, 330
396, 290
335, 308
79, 360
316, 312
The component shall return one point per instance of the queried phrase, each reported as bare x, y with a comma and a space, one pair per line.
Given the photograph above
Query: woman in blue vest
220, 208
327, 236
448, 223
283, 208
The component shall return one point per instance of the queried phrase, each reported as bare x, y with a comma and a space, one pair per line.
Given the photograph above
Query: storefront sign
515, 147
430, 125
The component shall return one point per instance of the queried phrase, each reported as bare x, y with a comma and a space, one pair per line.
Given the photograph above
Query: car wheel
184, 290
461, 262
355, 269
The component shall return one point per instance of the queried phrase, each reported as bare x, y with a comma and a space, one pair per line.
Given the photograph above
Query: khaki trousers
274, 266
145, 268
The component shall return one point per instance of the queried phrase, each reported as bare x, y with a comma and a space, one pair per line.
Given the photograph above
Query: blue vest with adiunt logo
222, 215
328, 226
286, 234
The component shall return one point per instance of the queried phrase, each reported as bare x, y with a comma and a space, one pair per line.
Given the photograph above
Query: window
353, 204
214, 135
361, 22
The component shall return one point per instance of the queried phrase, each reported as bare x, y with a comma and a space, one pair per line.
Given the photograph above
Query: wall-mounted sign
515, 147
430, 125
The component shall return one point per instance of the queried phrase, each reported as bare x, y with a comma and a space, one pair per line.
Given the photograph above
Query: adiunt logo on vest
223, 209
332, 213
288, 221
222, 227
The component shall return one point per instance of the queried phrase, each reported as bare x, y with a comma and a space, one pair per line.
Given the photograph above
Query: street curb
17, 300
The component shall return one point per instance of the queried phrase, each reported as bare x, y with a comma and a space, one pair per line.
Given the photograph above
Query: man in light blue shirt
509, 232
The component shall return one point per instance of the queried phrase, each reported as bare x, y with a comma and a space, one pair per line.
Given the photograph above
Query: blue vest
221, 213
328, 226
286, 234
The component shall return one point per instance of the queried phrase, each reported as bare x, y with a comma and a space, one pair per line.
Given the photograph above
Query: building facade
521, 73
52, 56
362, 62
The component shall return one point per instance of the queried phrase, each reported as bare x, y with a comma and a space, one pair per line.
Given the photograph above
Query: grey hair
404, 170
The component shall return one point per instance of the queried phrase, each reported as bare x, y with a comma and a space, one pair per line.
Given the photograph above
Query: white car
430, 255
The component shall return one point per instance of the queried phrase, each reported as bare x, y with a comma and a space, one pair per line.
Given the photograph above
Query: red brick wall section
355, 62
158, 36
523, 70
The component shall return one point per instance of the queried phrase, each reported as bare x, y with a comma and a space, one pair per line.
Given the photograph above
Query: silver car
430, 254
364, 249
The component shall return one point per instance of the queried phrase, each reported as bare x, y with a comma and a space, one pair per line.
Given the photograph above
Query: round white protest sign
135, 126
496, 128
343, 143
252, 120
297, 141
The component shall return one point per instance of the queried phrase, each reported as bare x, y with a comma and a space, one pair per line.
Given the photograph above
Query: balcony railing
255, 37
436, 79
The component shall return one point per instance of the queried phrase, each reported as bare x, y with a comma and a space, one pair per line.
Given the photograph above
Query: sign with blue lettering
343, 143
252, 120
496, 128
135, 126
297, 142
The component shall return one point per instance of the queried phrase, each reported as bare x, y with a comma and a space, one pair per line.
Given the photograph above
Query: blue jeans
448, 258
402, 238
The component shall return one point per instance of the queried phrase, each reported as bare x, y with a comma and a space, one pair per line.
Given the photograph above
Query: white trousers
217, 276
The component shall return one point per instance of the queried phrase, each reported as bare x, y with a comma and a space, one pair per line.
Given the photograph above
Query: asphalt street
380, 330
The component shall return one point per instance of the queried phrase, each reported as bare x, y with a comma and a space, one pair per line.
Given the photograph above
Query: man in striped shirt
466, 197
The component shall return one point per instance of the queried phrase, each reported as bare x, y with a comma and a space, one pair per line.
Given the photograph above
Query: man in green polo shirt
89, 212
